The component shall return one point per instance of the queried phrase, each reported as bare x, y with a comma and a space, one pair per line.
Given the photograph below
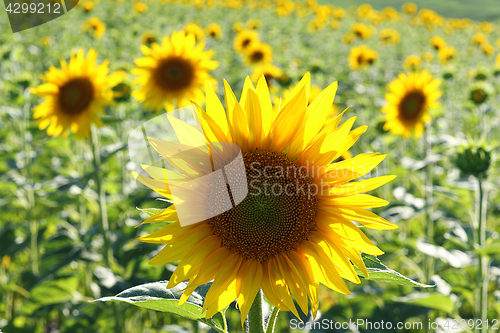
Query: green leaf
151, 211
156, 296
432, 301
379, 272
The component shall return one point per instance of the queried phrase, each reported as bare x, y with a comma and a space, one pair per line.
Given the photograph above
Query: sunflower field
391, 117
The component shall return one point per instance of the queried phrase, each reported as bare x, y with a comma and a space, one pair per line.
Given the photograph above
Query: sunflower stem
101, 191
29, 188
255, 317
429, 261
272, 320
482, 272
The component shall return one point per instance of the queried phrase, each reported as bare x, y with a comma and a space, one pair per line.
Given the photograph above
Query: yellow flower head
409, 99
141, 7
428, 56
195, 30
96, 26
245, 39
486, 27
361, 30
269, 71
389, 36
259, 53
253, 24
174, 71
238, 27
75, 95
437, 42
334, 24
409, 8
390, 14
148, 38
87, 6
240, 249
479, 39
338, 13
446, 54
348, 38
214, 30
487, 49
362, 57
412, 63
46, 40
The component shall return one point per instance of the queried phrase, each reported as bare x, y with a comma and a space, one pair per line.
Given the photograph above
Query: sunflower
479, 92
253, 24
245, 39
446, 54
412, 63
487, 49
362, 30
176, 70
389, 36
195, 30
238, 27
75, 95
148, 38
241, 249
141, 8
408, 101
259, 53
361, 57
409, 8
335, 24
348, 38
96, 26
214, 30
479, 39
438, 42
87, 6
269, 71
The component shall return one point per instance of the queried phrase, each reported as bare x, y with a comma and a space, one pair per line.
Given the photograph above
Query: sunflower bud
473, 160
479, 92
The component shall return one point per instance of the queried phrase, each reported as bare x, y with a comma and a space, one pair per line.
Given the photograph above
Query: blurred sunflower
87, 6
446, 54
412, 63
253, 24
269, 71
174, 71
238, 27
362, 57
389, 36
479, 92
96, 26
497, 61
409, 8
214, 31
75, 95
479, 39
148, 38
195, 30
240, 249
487, 49
140, 7
408, 101
348, 38
438, 42
335, 24
245, 39
46, 40
259, 53
362, 30
428, 56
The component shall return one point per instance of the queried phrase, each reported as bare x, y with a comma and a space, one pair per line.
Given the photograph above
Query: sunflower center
174, 74
412, 105
246, 42
276, 215
257, 56
75, 96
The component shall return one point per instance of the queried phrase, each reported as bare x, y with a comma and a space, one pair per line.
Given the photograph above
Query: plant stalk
101, 191
255, 317
482, 272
